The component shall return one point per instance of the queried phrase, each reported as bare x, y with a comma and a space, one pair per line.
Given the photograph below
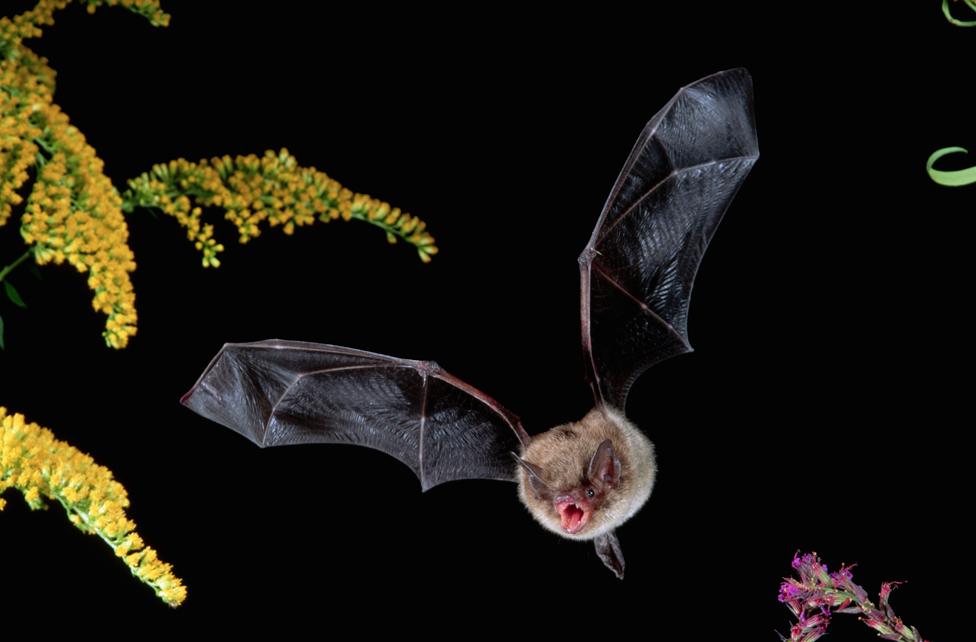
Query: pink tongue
571, 517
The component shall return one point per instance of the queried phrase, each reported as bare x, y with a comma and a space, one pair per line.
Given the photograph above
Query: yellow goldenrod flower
270, 189
149, 9
41, 467
28, 24
73, 214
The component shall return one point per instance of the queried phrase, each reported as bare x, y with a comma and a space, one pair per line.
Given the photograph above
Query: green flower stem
10, 268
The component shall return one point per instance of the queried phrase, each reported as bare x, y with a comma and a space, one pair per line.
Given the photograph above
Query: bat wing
277, 393
638, 268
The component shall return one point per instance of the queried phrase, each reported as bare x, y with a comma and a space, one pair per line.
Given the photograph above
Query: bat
580, 480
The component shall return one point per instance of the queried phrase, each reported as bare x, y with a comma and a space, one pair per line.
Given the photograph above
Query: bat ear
534, 473
604, 465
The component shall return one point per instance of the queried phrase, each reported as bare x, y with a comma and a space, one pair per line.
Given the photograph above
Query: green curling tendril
954, 178
959, 23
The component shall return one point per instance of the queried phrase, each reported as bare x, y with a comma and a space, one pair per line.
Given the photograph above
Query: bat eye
590, 492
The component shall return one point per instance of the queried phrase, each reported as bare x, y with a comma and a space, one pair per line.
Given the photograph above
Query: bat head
583, 479
577, 504
575, 499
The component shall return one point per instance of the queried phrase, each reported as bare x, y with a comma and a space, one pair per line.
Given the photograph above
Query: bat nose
572, 497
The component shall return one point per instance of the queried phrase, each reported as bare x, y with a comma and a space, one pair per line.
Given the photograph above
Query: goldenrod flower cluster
40, 466
148, 9
73, 213
21, 80
28, 24
253, 190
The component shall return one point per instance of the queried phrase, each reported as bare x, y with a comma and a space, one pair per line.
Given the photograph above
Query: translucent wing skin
638, 269
277, 393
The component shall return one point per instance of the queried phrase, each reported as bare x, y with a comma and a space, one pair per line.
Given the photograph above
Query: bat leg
608, 550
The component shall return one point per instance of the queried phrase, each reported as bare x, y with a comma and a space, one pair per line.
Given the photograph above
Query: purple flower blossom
818, 594
790, 589
842, 575
886, 588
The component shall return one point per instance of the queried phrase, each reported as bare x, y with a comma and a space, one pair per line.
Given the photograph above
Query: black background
824, 408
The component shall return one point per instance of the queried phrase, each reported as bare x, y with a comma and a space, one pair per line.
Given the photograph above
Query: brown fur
563, 454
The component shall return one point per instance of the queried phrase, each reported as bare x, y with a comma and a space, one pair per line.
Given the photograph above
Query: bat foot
608, 550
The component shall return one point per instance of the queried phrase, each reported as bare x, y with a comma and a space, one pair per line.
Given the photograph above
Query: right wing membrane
287, 392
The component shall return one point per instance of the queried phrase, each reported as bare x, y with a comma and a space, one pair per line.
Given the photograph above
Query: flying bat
580, 480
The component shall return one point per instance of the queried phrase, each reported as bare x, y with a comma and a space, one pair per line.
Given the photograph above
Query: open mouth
573, 516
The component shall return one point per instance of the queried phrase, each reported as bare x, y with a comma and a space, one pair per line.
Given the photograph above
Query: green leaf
2, 347
13, 295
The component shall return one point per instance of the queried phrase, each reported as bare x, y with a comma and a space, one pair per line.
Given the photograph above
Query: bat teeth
573, 516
